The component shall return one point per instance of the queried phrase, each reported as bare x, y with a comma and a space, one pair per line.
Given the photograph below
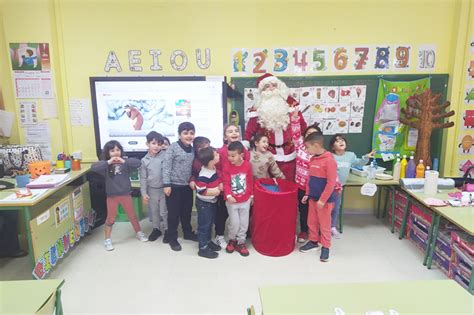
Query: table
354, 181
462, 217
408, 297
31, 297
26, 206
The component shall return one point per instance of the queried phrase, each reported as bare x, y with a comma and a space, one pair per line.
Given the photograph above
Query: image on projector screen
137, 117
183, 108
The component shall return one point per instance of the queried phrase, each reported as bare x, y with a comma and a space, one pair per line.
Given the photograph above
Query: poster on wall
470, 70
31, 67
465, 144
39, 134
467, 122
30, 57
469, 95
77, 203
389, 135
61, 212
402, 57
28, 113
464, 165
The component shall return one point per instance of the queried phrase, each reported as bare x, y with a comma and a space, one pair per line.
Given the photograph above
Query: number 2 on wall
259, 61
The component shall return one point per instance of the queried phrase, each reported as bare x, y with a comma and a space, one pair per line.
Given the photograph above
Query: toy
39, 168
425, 114
469, 96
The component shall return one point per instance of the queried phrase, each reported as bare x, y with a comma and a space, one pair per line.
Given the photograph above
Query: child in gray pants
151, 186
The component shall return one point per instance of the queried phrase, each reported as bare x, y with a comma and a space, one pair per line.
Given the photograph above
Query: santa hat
264, 79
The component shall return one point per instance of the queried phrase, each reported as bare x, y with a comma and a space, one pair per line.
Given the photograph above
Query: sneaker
154, 235
213, 246
208, 253
302, 237
231, 246
166, 240
242, 249
191, 236
108, 245
335, 233
141, 237
220, 241
324, 254
175, 246
309, 246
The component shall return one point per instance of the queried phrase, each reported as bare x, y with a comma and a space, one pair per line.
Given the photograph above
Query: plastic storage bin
273, 222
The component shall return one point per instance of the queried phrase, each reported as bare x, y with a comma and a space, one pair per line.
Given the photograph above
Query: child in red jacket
320, 194
238, 192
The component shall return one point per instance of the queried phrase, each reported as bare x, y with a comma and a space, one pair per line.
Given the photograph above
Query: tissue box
363, 172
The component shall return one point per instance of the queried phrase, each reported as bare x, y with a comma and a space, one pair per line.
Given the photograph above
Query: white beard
272, 110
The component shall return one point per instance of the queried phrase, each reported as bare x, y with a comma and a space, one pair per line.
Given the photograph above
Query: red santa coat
282, 143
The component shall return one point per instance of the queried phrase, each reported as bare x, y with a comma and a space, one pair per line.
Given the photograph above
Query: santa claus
277, 115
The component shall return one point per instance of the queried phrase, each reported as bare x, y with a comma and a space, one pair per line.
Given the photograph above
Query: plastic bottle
396, 170
420, 170
397, 158
371, 171
403, 167
411, 168
427, 169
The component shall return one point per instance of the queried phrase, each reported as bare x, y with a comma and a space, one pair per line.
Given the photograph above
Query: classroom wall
459, 82
81, 34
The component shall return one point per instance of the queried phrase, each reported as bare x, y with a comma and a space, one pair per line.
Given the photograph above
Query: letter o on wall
184, 60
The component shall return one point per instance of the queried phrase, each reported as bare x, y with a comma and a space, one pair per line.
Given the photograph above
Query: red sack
274, 217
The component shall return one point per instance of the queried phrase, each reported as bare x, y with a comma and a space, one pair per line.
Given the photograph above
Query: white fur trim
280, 157
262, 83
278, 137
252, 114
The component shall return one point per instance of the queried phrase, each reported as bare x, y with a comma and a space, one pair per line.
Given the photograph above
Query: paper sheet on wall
80, 112
33, 84
28, 113
49, 108
6, 123
39, 134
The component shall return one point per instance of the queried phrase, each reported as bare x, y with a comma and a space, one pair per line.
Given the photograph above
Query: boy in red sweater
320, 193
238, 191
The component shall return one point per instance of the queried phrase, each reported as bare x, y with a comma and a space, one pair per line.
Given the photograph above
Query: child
320, 192
231, 134
301, 179
262, 161
116, 171
344, 160
198, 144
151, 186
176, 174
166, 143
208, 188
238, 190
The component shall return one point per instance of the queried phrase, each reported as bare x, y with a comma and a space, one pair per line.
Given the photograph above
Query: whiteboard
126, 109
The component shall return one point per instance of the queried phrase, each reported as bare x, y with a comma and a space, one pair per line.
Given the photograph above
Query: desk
354, 181
30, 297
462, 217
410, 297
27, 206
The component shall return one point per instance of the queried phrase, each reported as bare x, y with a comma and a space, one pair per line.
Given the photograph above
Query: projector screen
126, 109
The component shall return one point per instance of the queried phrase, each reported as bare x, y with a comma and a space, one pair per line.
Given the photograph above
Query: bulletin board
360, 143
